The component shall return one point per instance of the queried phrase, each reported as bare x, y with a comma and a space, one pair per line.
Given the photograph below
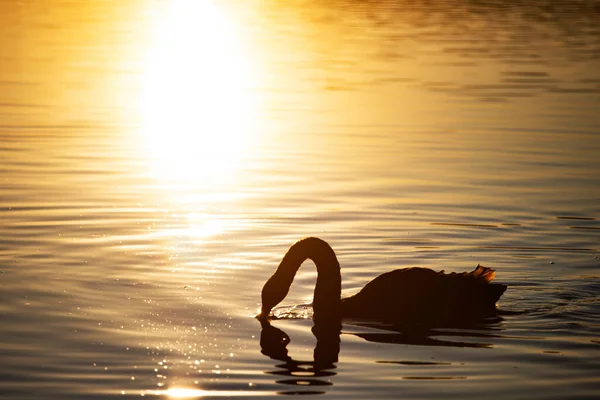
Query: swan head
272, 293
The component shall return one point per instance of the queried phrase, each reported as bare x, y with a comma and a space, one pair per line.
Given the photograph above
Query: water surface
158, 158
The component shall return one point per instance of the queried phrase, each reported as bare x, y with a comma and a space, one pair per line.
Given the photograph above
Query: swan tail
489, 293
483, 273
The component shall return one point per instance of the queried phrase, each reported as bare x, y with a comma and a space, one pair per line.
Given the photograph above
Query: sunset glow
254, 199
195, 103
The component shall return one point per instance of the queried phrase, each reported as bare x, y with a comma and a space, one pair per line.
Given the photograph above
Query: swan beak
262, 317
264, 314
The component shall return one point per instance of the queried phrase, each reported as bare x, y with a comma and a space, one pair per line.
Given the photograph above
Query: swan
407, 295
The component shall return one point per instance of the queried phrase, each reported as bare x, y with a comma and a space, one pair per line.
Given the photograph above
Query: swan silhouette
408, 295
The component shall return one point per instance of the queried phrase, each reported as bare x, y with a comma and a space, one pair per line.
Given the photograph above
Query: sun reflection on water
196, 104
182, 393
186, 393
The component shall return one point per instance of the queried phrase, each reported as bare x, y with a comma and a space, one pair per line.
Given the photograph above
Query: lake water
158, 158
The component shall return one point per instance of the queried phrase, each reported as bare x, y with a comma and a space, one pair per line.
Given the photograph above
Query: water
158, 159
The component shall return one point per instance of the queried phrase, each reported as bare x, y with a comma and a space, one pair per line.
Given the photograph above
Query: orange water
158, 158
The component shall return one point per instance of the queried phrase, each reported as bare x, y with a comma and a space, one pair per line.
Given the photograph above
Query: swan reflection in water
274, 342
408, 303
308, 375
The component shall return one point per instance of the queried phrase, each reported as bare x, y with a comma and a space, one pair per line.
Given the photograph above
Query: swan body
408, 295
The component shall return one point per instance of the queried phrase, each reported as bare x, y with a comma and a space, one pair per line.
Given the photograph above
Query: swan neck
326, 302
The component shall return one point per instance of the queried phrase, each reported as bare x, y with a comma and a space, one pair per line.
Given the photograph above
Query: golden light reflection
185, 393
204, 225
196, 103
199, 226
181, 393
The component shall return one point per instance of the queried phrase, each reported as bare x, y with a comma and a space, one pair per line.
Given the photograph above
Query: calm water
158, 158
